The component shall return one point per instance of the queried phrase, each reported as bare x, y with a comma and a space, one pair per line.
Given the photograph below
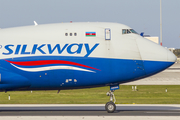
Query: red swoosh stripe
46, 62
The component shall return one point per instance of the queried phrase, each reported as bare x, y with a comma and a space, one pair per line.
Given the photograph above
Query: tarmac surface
89, 110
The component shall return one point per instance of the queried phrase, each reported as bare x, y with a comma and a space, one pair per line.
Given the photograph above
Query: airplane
77, 55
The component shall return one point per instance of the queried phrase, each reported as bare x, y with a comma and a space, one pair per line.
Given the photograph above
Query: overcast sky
141, 15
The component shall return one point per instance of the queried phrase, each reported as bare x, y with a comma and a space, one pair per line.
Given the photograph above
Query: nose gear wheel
110, 106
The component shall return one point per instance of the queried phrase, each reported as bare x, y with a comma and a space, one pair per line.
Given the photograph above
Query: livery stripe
47, 62
51, 68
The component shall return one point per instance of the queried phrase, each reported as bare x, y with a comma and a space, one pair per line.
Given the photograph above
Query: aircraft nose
155, 57
171, 57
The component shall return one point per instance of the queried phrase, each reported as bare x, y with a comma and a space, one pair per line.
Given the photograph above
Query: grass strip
146, 94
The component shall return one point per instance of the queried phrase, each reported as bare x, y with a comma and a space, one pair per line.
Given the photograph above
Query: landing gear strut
110, 106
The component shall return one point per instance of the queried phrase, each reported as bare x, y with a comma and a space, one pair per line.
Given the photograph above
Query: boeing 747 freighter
77, 55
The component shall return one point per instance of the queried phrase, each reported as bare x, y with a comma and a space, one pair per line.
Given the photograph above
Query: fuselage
76, 55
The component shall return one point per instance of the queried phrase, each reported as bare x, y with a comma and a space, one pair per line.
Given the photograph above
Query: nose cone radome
171, 57
155, 57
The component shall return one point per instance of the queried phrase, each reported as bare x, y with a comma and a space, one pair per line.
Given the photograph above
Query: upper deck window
71, 34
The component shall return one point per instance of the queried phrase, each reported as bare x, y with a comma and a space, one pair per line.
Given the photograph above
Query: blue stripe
112, 71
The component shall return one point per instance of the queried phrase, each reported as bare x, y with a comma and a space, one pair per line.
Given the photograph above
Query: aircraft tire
110, 107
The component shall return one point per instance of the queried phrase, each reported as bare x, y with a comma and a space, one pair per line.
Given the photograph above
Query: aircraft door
107, 34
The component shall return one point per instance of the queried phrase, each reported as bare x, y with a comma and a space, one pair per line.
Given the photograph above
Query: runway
89, 110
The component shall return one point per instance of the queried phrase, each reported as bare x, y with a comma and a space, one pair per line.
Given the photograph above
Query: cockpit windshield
127, 31
133, 31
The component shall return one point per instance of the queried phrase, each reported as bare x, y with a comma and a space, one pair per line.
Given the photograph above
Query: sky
141, 15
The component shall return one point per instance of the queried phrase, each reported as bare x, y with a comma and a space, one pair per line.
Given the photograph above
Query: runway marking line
163, 112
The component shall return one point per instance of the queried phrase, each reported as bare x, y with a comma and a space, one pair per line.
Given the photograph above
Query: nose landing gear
110, 106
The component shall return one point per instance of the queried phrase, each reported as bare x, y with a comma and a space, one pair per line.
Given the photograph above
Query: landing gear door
107, 34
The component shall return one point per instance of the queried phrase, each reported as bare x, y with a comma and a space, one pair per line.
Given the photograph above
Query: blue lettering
58, 48
17, 49
89, 51
9, 49
24, 50
35, 47
78, 51
71, 49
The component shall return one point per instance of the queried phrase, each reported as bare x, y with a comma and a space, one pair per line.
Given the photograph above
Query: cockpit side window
123, 31
127, 31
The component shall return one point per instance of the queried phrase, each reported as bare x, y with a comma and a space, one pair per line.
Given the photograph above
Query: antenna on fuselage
35, 23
